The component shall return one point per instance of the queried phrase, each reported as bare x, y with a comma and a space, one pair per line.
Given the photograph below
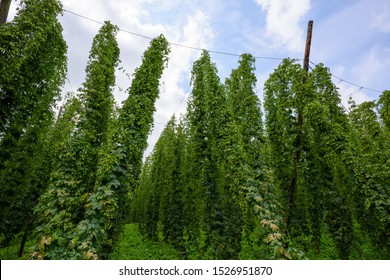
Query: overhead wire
172, 43
185, 94
341, 80
353, 92
70, 84
360, 87
356, 85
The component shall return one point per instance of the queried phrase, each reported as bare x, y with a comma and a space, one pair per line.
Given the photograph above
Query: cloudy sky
351, 37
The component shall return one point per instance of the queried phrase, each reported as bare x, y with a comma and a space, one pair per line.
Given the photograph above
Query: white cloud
283, 22
373, 66
381, 18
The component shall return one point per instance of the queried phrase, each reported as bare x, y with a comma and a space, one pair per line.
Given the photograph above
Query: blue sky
351, 37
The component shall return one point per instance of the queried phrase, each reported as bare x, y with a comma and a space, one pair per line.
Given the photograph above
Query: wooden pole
298, 141
4, 9
306, 59
21, 248
59, 114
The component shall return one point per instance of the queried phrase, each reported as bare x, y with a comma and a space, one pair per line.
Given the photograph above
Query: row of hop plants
223, 181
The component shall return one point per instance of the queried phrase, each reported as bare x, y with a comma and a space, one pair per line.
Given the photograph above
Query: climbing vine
306, 179
33, 67
67, 230
367, 157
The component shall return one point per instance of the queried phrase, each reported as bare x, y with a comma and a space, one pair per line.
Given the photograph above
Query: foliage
145, 201
262, 220
87, 203
136, 115
384, 109
217, 157
33, 67
161, 189
171, 206
134, 124
246, 107
309, 180
246, 110
10, 252
69, 227
307, 130
201, 187
368, 159
32, 63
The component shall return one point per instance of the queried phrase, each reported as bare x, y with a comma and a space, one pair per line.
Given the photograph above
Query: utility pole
59, 114
4, 9
298, 140
307, 48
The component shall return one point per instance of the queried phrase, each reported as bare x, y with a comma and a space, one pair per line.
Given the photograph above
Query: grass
11, 251
132, 246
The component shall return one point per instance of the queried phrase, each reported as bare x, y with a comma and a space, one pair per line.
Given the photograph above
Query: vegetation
296, 178
291, 190
33, 68
68, 224
134, 246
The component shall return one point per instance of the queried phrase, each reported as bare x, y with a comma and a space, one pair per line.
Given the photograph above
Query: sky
351, 38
